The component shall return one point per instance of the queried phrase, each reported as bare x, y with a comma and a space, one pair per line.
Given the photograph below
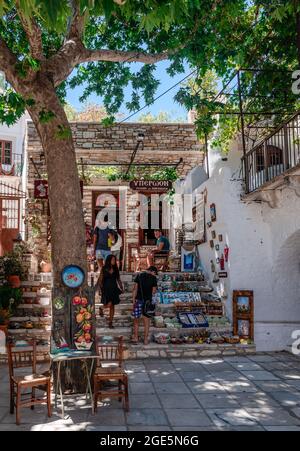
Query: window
274, 155
260, 160
6, 152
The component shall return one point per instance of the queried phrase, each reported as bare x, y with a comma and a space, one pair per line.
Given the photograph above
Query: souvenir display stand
243, 314
33, 316
189, 312
73, 324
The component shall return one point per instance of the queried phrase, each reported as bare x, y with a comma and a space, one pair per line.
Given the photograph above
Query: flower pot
14, 281
45, 267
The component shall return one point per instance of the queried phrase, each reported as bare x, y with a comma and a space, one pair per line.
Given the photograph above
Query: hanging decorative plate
58, 303
72, 276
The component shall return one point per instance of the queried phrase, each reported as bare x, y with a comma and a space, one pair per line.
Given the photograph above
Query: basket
232, 340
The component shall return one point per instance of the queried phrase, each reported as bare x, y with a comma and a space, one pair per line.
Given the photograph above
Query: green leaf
108, 121
63, 133
46, 116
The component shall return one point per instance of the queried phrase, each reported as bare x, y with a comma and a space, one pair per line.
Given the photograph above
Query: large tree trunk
68, 244
67, 221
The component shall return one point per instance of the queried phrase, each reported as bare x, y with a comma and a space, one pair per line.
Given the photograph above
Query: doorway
10, 216
107, 206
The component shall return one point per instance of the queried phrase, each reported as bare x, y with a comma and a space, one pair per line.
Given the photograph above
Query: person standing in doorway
110, 287
101, 247
145, 287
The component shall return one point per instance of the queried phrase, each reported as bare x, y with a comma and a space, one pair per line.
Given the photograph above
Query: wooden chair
109, 354
133, 257
26, 359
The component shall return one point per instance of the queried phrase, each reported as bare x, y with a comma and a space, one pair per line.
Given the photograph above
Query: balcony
15, 168
273, 163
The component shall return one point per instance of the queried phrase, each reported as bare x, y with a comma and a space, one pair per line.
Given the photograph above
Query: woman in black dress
110, 286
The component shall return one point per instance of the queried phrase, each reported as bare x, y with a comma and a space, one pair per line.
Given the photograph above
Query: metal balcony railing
275, 155
13, 169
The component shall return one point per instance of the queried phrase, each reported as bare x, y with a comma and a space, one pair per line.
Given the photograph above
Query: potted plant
10, 298
45, 264
12, 269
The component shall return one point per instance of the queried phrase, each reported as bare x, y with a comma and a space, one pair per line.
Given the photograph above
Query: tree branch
33, 33
76, 24
8, 63
73, 53
118, 56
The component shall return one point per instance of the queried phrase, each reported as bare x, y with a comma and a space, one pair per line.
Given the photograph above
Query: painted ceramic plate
72, 276
59, 303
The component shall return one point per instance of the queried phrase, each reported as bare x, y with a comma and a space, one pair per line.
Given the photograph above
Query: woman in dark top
110, 286
145, 287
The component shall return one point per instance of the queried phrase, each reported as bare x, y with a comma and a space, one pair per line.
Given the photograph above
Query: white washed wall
264, 251
16, 134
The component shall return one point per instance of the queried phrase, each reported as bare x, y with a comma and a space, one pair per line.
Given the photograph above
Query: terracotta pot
45, 266
14, 281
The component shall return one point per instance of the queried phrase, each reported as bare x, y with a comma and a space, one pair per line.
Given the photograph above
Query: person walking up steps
145, 287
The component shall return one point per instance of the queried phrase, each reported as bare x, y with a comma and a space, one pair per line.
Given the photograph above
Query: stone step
126, 332
156, 351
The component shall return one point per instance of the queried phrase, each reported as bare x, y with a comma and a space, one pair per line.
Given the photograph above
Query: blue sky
166, 103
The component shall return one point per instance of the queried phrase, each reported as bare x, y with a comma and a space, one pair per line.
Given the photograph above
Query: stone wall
95, 144
163, 143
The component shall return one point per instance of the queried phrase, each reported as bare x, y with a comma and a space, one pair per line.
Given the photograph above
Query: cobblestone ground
260, 392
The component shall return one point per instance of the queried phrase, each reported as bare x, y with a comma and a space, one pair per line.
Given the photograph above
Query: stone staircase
123, 327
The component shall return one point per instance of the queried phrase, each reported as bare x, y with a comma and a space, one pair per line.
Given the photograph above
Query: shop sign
223, 275
151, 185
41, 189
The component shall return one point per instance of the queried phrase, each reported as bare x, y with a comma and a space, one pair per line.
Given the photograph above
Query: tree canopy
264, 57
94, 42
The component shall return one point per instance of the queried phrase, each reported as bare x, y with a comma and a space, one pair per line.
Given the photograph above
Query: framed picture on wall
199, 219
243, 304
244, 328
213, 213
243, 314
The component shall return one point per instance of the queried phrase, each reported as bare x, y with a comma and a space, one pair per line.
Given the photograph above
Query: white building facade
12, 182
263, 237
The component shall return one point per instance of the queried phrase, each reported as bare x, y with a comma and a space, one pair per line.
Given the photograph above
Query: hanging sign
41, 189
223, 275
159, 186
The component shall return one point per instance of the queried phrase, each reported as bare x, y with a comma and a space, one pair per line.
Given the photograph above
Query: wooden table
68, 356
